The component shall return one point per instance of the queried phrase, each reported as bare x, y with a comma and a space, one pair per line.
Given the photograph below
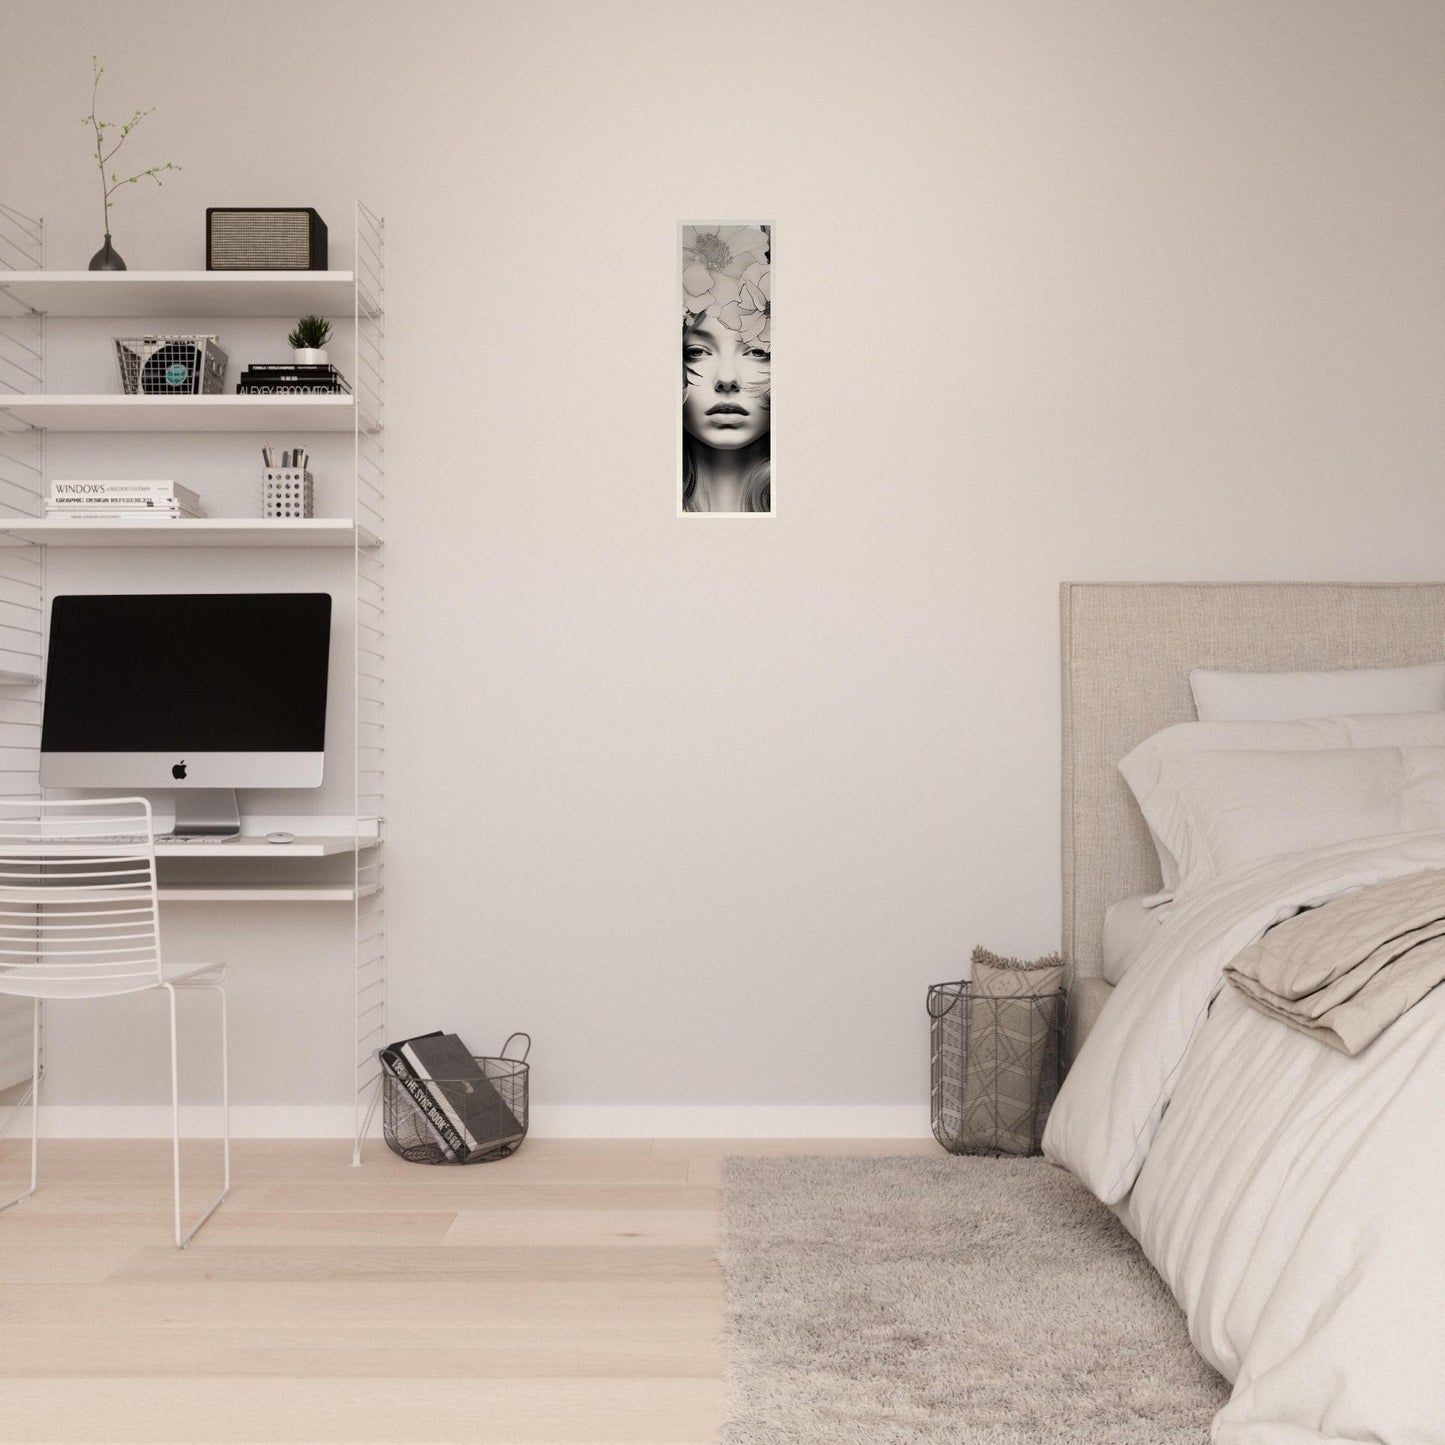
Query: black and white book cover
726, 438
463, 1092
447, 1137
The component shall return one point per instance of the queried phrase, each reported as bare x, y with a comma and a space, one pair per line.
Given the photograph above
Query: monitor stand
207, 813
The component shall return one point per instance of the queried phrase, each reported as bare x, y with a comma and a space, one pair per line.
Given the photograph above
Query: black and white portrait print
727, 359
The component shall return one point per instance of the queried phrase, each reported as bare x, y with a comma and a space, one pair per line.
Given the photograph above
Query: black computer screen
187, 672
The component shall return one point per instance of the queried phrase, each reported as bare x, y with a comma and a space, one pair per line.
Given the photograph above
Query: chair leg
34, 1110
184, 1238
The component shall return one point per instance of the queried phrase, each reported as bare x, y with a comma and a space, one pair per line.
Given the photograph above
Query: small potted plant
309, 339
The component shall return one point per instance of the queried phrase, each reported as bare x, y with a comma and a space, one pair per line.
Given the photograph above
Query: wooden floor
569, 1294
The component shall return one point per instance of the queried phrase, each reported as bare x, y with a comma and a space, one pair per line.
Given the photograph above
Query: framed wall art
725, 437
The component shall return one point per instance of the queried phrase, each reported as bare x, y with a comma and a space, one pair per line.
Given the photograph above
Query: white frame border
772, 426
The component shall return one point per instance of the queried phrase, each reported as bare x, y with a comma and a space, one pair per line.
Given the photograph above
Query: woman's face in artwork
727, 383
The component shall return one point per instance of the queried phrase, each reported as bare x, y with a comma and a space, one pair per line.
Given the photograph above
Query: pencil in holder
287, 492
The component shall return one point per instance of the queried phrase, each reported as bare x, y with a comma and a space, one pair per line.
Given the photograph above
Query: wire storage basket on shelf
456, 1121
170, 365
997, 1066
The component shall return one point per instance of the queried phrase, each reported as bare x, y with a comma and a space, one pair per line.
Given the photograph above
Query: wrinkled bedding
1291, 1196
1344, 972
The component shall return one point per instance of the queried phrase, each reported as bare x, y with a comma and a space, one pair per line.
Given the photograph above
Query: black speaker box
290, 238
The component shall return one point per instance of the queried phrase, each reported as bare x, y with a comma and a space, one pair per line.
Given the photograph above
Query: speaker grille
261, 241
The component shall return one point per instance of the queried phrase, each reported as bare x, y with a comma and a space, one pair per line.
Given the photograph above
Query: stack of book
289, 379
91, 500
466, 1115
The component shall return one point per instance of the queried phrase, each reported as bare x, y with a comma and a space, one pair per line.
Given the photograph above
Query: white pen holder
286, 492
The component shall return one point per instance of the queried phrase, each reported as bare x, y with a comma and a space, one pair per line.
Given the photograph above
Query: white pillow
1217, 812
1145, 767
1130, 926
1282, 696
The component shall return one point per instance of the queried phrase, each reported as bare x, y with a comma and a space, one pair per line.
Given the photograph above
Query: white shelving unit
30, 296
320, 845
261, 893
191, 532
186, 293
186, 413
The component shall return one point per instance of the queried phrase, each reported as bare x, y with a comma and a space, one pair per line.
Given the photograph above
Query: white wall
1115, 290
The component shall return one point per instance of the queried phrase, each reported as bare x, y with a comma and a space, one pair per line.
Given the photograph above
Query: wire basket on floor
409, 1132
997, 1067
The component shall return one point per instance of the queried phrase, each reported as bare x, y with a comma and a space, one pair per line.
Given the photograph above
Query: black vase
107, 258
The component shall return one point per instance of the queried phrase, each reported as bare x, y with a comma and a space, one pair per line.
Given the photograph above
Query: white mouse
280, 837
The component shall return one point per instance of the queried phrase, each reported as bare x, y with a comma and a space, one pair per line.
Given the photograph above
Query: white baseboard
746, 1121
153, 1121
556, 1121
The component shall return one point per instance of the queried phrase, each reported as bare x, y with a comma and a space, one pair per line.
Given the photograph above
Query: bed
1292, 1198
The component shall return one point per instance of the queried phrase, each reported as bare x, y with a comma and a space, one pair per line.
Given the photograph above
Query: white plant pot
310, 356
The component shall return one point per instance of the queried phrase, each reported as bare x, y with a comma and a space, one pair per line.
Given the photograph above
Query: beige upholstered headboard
1127, 651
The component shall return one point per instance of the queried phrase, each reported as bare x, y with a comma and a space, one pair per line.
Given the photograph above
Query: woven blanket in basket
1007, 1039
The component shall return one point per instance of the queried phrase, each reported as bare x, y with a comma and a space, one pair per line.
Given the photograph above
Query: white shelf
188, 532
248, 846
182, 293
184, 413
259, 893
18, 679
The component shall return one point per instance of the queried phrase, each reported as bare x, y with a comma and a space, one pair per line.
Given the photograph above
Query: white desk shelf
34, 419
249, 847
112, 413
286, 294
189, 532
262, 892
228, 850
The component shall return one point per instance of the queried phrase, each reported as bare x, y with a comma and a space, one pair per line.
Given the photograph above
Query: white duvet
1292, 1197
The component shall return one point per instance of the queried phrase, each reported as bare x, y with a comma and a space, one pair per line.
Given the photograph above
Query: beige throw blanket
1344, 972
1008, 1039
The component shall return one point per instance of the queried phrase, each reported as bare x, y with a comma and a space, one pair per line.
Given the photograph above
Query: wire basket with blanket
997, 1054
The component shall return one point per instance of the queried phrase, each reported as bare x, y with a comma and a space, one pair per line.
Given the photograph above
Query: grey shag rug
973, 1301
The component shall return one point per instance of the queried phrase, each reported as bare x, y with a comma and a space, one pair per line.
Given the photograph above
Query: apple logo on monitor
179, 771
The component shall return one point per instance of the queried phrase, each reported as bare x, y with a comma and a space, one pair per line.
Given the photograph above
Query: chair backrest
78, 908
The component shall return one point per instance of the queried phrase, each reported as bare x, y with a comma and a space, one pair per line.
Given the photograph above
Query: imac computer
198, 694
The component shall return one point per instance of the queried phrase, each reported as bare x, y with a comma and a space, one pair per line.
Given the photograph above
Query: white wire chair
79, 919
